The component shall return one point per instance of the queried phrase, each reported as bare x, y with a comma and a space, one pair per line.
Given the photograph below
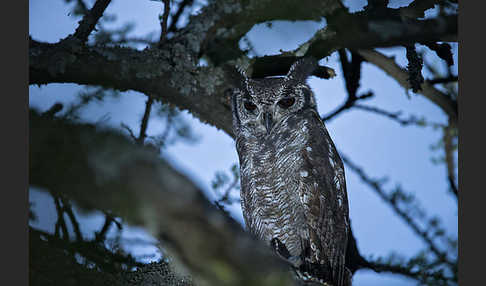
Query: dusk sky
382, 147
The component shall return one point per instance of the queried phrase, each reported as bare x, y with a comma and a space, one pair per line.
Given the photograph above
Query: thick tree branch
84, 164
389, 66
172, 75
360, 32
88, 23
167, 75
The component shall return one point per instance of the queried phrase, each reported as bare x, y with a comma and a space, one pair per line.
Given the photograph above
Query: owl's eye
250, 106
286, 102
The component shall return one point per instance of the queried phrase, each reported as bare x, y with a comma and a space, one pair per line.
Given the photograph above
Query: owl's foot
282, 252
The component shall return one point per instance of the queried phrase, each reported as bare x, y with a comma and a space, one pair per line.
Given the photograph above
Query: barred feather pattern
293, 188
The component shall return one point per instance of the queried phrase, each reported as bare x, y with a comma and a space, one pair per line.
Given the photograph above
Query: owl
293, 191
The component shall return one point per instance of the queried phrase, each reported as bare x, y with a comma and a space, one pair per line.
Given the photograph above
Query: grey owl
293, 191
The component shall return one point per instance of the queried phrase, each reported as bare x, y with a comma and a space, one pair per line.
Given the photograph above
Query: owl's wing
324, 198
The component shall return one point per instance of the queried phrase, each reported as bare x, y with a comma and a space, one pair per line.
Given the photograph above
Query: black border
471, 105
14, 210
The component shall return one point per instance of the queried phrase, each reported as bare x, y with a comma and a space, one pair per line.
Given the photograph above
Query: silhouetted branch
53, 110
144, 123
352, 76
420, 275
175, 18
392, 115
414, 68
351, 71
388, 65
443, 80
442, 50
225, 198
163, 22
109, 220
88, 23
391, 200
66, 207
449, 157
129, 130
60, 223
349, 103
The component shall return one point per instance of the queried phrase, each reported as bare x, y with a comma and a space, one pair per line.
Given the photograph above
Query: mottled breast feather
293, 189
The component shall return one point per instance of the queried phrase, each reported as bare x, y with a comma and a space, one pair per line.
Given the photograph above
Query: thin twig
168, 127
392, 115
68, 209
375, 185
163, 23
89, 21
447, 104
443, 80
129, 130
225, 199
449, 156
352, 75
101, 235
144, 124
418, 275
178, 13
349, 103
60, 223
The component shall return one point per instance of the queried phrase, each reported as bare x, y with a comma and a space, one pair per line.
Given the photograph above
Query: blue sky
381, 146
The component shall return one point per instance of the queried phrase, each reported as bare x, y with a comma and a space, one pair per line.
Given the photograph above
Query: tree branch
449, 157
163, 22
143, 126
392, 115
423, 234
88, 23
348, 104
389, 66
443, 80
146, 191
414, 274
175, 18
359, 32
199, 90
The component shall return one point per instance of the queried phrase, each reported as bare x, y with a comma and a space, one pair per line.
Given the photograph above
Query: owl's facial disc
265, 103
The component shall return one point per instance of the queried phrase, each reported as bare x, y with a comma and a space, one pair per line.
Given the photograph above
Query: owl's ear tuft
302, 69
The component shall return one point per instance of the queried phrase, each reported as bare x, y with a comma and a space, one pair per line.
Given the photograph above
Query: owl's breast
271, 183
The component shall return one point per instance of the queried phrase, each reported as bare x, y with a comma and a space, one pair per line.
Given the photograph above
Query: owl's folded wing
324, 198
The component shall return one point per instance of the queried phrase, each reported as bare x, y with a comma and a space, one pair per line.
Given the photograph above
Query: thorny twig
396, 116
391, 200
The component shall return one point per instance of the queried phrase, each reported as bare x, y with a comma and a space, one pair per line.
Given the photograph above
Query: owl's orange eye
286, 102
250, 105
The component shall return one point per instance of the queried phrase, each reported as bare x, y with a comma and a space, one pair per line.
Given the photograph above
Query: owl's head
259, 105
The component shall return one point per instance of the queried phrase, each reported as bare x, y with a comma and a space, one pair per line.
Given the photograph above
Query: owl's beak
268, 120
